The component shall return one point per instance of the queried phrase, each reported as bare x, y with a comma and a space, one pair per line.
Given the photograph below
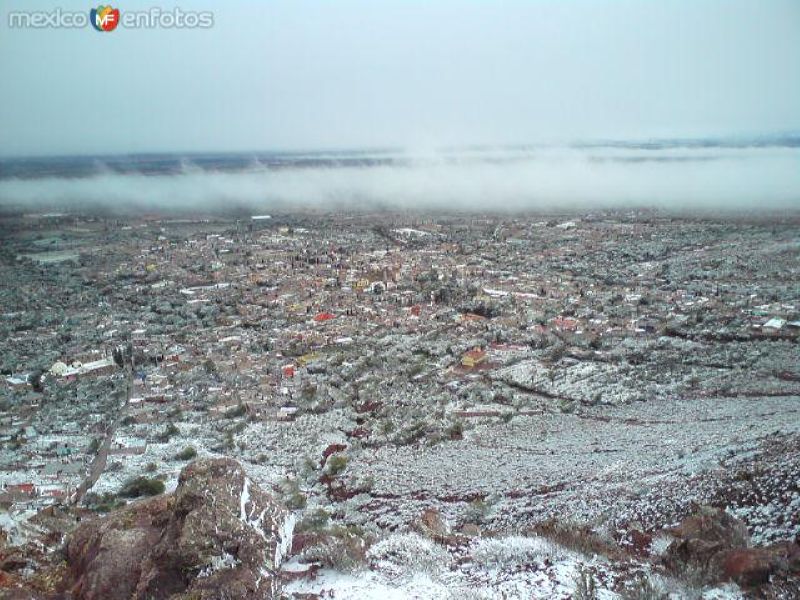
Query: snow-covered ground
407, 566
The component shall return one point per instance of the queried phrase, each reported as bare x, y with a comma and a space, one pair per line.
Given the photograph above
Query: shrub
187, 453
291, 495
514, 551
643, 588
566, 406
408, 552
168, 432
238, 411
456, 430
585, 586
94, 446
102, 503
578, 537
336, 464
339, 548
141, 486
476, 511
313, 521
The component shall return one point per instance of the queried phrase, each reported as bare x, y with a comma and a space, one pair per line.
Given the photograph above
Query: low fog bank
741, 180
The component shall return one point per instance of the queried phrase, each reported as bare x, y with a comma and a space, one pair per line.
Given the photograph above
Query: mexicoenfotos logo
104, 18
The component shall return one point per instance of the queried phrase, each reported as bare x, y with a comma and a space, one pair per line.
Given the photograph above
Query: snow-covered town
541, 406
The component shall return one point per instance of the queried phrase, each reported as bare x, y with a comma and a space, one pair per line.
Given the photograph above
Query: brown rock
471, 530
751, 567
431, 524
714, 526
702, 536
747, 566
218, 536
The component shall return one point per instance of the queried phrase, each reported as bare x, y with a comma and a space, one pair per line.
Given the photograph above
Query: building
473, 358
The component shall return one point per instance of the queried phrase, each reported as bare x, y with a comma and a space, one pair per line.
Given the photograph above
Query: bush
292, 497
476, 511
168, 432
456, 430
514, 551
141, 486
238, 411
585, 586
187, 453
102, 503
339, 548
94, 446
336, 464
313, 521
577, 537
643, 588
408, 552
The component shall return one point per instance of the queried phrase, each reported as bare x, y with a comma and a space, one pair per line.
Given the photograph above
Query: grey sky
310, 74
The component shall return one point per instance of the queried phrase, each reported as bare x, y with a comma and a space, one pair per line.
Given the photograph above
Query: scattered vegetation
168, 433
291, 495
578, 537
336, 464
187, 453
238, 411
643, 588
141, 486
514, 551
102, 503
340, 548
585, 586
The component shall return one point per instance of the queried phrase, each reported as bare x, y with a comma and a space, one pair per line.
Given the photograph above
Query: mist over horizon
675, 178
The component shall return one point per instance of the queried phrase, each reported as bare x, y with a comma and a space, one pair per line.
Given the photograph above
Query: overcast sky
419, 74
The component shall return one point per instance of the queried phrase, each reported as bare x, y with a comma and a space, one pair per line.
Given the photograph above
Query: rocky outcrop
751, 567
704, 534
218, 536
717, 543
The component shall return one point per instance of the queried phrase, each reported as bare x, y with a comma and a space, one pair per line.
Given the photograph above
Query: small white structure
774, 323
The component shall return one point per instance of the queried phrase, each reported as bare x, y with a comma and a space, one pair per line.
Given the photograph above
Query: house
565, 323
774, 323
286, 413
473, 358
17, 380
21, 489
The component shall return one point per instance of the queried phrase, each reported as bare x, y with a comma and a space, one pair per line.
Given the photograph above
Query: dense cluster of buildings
121, 337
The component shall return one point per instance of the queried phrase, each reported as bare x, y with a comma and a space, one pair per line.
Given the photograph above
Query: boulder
431, 524
700, 537
217, 536
718, 543
750, 567
714, 526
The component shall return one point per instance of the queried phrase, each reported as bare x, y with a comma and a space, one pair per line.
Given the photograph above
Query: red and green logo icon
104, 18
